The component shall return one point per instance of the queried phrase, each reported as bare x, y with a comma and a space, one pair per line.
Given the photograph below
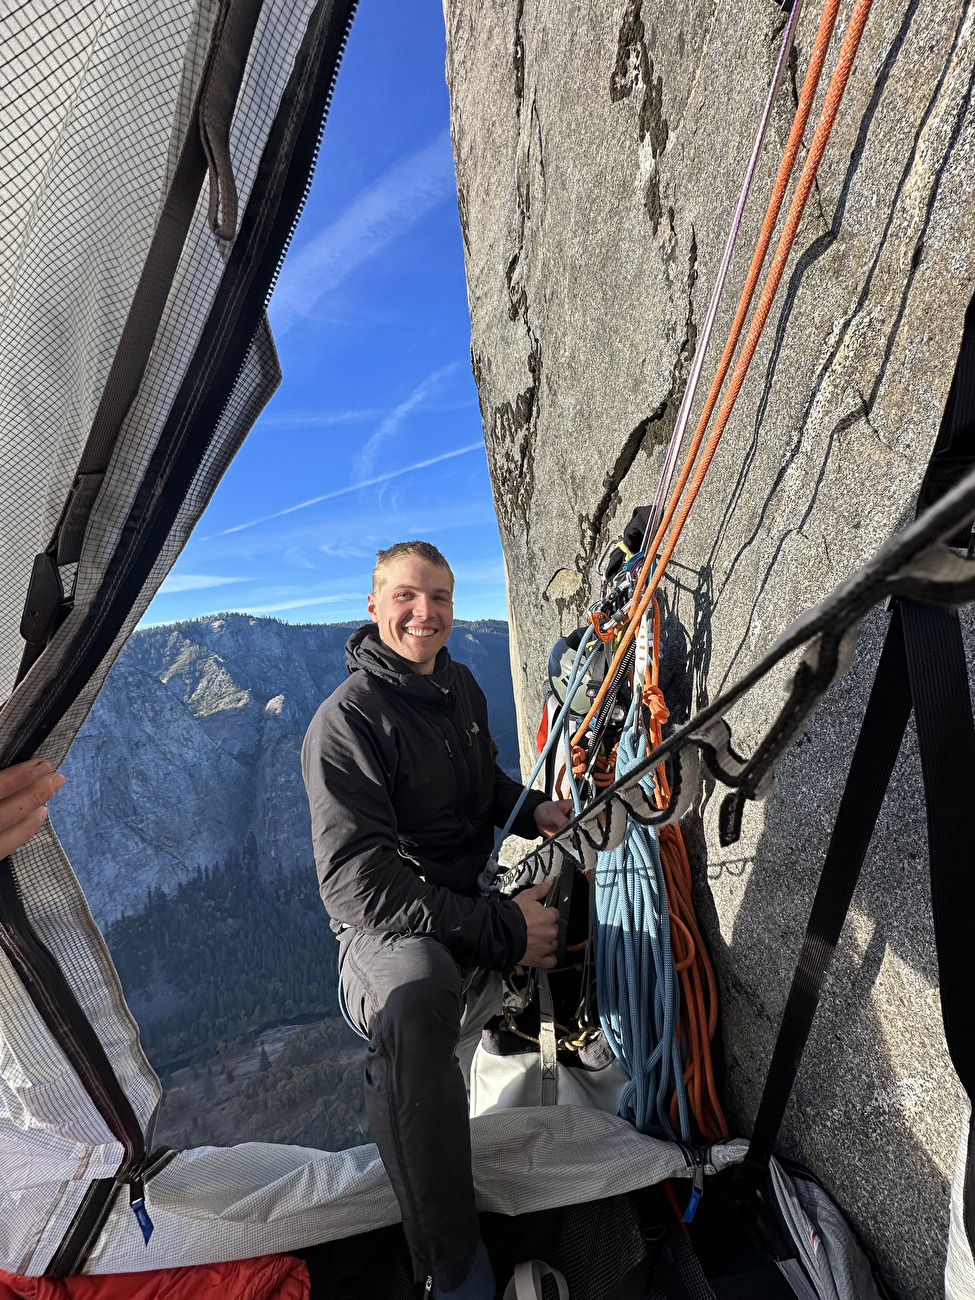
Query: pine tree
265, 1062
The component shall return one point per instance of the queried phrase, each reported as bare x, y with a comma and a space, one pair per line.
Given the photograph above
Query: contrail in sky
368, 225
353, 487
394, 420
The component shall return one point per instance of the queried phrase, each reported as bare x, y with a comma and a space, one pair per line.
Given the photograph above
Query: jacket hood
365, 652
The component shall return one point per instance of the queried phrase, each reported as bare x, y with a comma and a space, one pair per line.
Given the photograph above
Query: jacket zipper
459, 761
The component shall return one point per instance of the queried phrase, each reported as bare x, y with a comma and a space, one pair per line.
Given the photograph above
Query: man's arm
364, 881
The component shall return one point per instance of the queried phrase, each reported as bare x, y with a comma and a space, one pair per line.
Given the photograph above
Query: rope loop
653, 698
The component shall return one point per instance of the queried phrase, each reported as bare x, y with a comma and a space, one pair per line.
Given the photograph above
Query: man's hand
543, 925
552, 816
24, 790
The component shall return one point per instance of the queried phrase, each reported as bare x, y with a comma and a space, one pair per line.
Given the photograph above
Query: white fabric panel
94, 101
805, 1236
47, 400
230, 1203
844, 1256
96, 155
42, 1096
960, 1268
501, 1082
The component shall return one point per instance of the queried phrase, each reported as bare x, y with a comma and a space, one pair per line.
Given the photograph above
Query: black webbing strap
946, 739
922, 665
923, 662
876, 752
206, 147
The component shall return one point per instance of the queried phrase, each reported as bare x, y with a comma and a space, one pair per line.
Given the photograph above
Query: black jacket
405, 791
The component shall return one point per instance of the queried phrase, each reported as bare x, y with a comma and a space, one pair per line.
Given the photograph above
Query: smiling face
414, 610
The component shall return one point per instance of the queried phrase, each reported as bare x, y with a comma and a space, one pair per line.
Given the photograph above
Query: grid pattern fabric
960, 1268
82, 183
79, 251
231, 1203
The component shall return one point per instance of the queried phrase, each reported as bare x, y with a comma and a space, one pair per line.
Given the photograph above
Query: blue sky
374, 435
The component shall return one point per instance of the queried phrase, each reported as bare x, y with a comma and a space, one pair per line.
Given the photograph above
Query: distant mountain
194, 742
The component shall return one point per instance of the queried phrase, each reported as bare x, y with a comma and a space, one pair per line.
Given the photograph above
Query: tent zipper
299, 212
46, 985
697, 1158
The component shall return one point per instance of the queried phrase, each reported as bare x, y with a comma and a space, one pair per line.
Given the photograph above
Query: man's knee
424, 1008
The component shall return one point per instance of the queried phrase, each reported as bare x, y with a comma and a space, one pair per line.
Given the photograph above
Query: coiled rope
636, 984
641, 850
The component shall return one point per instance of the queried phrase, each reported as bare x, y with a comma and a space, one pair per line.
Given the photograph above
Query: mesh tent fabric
96, 100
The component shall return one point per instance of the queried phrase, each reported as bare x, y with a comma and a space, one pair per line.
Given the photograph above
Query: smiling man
405, 792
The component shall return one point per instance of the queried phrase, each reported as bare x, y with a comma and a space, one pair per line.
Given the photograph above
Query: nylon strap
922, 664
923, 661
876, 752
547, 1043
529, 1280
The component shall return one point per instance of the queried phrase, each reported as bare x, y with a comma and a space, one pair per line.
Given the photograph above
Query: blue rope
636, 985
560, 726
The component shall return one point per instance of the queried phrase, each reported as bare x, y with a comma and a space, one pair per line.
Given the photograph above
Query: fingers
24, 790
20, 775
14, 837
538, 891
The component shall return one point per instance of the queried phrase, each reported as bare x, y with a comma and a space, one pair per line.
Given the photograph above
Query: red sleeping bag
269, 1277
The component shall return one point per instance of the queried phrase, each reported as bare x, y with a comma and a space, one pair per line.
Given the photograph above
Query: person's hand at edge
542, 923
24, 790
550, 817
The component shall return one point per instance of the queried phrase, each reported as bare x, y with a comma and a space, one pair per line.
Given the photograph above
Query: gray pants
423, 1016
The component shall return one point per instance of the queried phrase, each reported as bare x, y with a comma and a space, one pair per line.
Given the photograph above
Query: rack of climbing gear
655, 988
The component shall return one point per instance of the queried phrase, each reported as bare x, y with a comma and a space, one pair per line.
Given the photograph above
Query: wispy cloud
176, 582
378, 216
420, 397
352, 487
322, 419
303, 601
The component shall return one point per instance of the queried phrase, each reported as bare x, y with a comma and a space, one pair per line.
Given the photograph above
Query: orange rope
699, 993
602, 774
698, 1016
824, 127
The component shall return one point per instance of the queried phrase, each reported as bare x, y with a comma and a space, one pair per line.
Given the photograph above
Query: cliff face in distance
194, 743
600, 150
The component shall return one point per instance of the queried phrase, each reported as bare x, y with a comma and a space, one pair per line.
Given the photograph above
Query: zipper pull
697, 1190
137, 1199
450, 752
428, 1289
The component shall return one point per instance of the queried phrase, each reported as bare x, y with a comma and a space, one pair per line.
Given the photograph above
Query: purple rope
687, 401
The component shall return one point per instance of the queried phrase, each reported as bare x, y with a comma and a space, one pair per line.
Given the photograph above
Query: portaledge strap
923, 661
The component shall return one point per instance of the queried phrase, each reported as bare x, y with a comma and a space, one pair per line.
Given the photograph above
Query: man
405, 791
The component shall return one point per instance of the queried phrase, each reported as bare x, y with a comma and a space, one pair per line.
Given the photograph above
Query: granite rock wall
600, 150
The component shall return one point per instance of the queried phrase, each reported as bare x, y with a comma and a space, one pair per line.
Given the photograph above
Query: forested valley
229, 966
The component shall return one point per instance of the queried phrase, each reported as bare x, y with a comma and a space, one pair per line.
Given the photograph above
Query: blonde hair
419, 550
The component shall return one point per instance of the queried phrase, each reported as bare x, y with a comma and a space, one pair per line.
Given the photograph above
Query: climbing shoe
479, 1284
